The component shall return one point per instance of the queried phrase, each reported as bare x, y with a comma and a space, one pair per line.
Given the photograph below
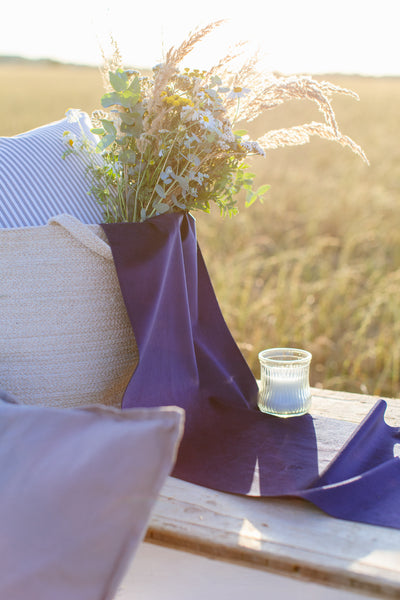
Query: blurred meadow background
317, 266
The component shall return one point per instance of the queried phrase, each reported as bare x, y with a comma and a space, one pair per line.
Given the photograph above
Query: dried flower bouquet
170, 142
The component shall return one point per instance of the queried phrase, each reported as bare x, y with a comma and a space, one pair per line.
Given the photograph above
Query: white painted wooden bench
203, 544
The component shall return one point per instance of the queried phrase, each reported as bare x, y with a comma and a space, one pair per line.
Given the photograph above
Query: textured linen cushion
77, 489
36, 183
65, 337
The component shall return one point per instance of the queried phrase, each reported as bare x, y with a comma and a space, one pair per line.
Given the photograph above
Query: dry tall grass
32, 94
318, 265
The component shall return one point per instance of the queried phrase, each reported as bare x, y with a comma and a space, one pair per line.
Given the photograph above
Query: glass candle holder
285, 388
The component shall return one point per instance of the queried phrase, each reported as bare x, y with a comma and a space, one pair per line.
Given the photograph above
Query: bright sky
308, 36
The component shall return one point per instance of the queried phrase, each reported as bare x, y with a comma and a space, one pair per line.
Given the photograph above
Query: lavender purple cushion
77, 489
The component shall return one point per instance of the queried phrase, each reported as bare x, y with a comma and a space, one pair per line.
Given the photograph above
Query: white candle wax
282, 394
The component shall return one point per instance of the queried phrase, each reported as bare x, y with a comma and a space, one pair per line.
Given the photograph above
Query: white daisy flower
74, 115
189, 113
69, 139
238, 92
209, 121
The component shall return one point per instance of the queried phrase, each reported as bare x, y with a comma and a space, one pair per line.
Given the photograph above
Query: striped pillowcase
36, 183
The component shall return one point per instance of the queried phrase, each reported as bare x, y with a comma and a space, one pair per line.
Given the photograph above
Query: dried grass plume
266, 91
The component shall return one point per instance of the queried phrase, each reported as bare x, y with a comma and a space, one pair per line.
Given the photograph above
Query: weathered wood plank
285, 536
351, 407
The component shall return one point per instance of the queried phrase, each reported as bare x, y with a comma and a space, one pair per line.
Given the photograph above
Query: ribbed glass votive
285, 387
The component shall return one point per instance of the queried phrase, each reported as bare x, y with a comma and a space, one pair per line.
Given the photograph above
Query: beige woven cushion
65, 337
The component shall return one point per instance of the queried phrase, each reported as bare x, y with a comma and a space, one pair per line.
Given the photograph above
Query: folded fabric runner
188, 358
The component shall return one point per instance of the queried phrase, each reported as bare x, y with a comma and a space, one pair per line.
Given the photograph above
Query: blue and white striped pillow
36, 183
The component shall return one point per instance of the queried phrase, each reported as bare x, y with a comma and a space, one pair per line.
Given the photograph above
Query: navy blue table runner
188, 358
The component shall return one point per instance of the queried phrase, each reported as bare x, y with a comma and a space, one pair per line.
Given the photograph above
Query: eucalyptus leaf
177, 203
161, 208
183, 182
160, 191
127, 156
134, 130
135, 85
109, 126
130, 99
119, 80
105, 141
240, 132
128, 118
110, 99
126, 99
250, 198
124, 142
216, 80
263, 189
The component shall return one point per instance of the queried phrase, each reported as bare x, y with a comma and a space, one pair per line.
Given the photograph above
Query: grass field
318, 265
